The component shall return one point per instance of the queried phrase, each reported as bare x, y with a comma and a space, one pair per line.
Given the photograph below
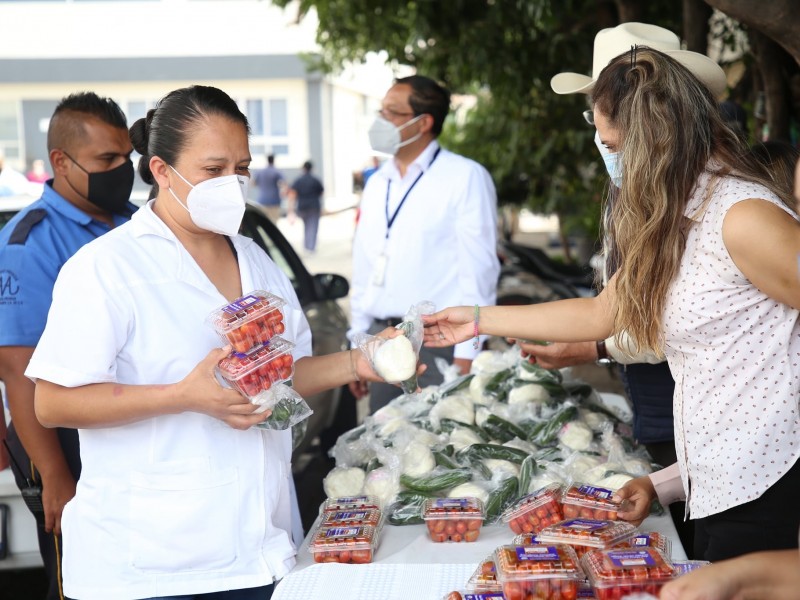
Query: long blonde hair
669, 128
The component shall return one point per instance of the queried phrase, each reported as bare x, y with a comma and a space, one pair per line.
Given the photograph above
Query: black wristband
602, 354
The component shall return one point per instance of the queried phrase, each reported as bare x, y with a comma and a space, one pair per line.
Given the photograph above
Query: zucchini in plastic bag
406, 511
547, 435
448, 425
501, 498
436, 481
526, 472
500, 429
495, 451
458, 384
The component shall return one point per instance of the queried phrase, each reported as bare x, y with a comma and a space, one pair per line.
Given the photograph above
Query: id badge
379, 270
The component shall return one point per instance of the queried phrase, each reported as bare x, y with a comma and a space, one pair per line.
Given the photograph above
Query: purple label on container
586, 593
353, 500
349, 516
336, 532
585, 524
596, 492
490, 596
450, 502
537, 553
642, 540
633, 558
241, 304
687, 566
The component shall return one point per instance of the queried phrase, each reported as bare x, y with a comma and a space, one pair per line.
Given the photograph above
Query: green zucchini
526, 472
443, 460
495, 451
448, 425
436, 482
458, 384
507, 428
547, 435
501, 498
406, 512
542, 374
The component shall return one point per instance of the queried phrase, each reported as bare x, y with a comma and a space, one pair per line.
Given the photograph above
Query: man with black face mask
89, 194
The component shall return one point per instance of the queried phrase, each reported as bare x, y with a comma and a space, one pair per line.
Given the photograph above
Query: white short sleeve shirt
177, 504
735, 355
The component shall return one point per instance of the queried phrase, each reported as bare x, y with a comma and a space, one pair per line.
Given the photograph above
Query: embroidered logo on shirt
9, 287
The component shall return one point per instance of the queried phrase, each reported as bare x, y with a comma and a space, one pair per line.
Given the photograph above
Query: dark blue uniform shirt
34, 245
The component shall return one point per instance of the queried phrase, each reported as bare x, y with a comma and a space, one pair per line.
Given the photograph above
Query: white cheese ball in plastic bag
344, 481
417, 460
395, 360
457, 407
576, 435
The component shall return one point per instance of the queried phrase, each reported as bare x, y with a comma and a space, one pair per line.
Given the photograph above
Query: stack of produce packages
517, 444
260, 365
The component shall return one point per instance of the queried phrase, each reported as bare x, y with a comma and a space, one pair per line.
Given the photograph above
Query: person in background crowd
428, 227
180, 495
708, 246
89, 196
270, 183
38, 174
305, 200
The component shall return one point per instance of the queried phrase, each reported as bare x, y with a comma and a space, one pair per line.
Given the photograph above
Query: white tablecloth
408, 565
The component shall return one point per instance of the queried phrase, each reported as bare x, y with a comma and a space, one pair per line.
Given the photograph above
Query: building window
269, 125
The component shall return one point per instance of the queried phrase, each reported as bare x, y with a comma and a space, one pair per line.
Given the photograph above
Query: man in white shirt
427, 229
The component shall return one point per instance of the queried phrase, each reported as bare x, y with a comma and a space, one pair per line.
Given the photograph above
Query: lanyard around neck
390, 220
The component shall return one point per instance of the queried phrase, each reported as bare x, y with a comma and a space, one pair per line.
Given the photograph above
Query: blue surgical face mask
611, 160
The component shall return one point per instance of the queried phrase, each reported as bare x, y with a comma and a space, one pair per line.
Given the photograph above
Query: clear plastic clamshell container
470, 595
353, 544
534, 512
620, 572
650, 539
484, 579
587, 534
682, 567
249, 321
589, 502
539, 571
526, 539
254, 373
346, 518
350, 503
453, 519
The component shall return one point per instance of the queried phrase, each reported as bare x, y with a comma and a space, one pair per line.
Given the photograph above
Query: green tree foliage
535, 143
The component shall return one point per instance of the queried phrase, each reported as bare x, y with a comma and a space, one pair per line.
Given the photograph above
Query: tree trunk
777, 19
771, 60
696, 14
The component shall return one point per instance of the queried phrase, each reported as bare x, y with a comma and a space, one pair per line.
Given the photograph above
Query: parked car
318, 296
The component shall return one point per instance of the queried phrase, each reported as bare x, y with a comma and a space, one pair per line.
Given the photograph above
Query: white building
135, 51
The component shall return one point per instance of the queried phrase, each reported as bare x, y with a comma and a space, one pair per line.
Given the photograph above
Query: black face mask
110, 190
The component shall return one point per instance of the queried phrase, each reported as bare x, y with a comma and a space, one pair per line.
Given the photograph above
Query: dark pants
49, 543
258, 593
380, 394
310, 218
770, 522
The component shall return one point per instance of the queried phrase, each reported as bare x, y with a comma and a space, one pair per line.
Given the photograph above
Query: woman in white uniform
179, 494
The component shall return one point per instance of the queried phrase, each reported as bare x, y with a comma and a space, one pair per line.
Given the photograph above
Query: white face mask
216, 204
384, 136
611, 160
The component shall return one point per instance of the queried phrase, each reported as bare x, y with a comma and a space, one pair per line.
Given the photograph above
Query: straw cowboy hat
613, 41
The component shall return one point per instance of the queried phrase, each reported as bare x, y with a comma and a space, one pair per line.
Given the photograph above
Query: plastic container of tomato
620, 572
453, 519
469, 595
535, 511
255, 372
587, 534
651, 539
249, 321
484, 579
525, 539
347, 518
539, 571
352, 544
350, 503
589, 502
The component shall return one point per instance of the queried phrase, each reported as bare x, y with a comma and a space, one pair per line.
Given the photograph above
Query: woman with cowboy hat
708, 245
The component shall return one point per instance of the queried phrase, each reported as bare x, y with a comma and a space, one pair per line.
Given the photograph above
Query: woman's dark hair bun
139, 133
